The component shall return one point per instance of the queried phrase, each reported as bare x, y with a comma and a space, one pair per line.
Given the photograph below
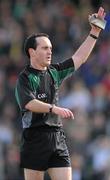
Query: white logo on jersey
41, 96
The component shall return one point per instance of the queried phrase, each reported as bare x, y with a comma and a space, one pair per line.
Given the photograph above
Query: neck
37, 66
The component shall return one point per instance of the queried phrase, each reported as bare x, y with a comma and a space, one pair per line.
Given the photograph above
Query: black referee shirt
41, 85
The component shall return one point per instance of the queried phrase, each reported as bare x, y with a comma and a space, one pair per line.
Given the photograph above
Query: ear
31, 51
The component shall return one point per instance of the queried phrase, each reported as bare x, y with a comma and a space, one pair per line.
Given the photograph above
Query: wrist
51, 108
94, 32
93, 36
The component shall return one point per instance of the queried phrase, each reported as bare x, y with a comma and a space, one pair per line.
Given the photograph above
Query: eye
44, 48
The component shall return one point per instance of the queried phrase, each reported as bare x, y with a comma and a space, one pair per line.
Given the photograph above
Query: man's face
42, 54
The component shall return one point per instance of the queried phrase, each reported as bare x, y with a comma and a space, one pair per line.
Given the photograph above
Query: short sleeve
64, 69
23, 92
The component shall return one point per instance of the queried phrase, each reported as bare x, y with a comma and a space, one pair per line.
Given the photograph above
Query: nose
50, 51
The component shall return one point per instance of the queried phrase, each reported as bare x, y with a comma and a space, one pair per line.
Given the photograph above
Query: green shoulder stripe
17, 97
34, 81
59, 76
65, 73
55, 75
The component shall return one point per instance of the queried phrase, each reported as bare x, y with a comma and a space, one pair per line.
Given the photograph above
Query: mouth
49, 58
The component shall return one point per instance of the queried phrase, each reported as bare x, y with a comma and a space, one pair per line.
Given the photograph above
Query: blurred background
86, 92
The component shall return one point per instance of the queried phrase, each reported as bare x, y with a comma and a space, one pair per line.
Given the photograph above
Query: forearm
38, 106
82, 54
41, 107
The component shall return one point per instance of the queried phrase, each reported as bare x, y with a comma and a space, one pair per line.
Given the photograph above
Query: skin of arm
38, 106
85, 49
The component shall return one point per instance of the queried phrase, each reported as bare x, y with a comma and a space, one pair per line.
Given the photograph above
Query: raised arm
82, 54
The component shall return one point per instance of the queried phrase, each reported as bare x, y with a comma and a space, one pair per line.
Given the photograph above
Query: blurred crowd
86, 92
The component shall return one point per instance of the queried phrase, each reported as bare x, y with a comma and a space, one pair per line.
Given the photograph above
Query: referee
43, 144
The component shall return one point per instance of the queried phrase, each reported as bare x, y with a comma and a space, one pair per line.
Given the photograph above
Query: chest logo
42, 96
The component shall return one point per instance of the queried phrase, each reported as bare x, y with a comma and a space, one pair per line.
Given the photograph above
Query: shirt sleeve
23, 92
64, 69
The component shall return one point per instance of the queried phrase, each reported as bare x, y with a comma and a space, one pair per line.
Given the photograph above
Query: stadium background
86, 93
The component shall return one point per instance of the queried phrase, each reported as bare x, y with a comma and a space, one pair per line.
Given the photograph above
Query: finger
72, 115
64, 113
104, 15
100, 12
69, 114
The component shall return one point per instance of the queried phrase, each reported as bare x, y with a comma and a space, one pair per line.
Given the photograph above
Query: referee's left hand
63, 112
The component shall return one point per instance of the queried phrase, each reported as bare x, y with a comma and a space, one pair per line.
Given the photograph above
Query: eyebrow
46, 46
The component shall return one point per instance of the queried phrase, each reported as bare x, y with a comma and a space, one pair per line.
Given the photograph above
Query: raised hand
97, 21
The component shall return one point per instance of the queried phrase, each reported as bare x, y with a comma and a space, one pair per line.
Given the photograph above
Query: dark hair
31, 42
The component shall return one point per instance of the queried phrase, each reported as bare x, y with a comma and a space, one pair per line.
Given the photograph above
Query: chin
48, 63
